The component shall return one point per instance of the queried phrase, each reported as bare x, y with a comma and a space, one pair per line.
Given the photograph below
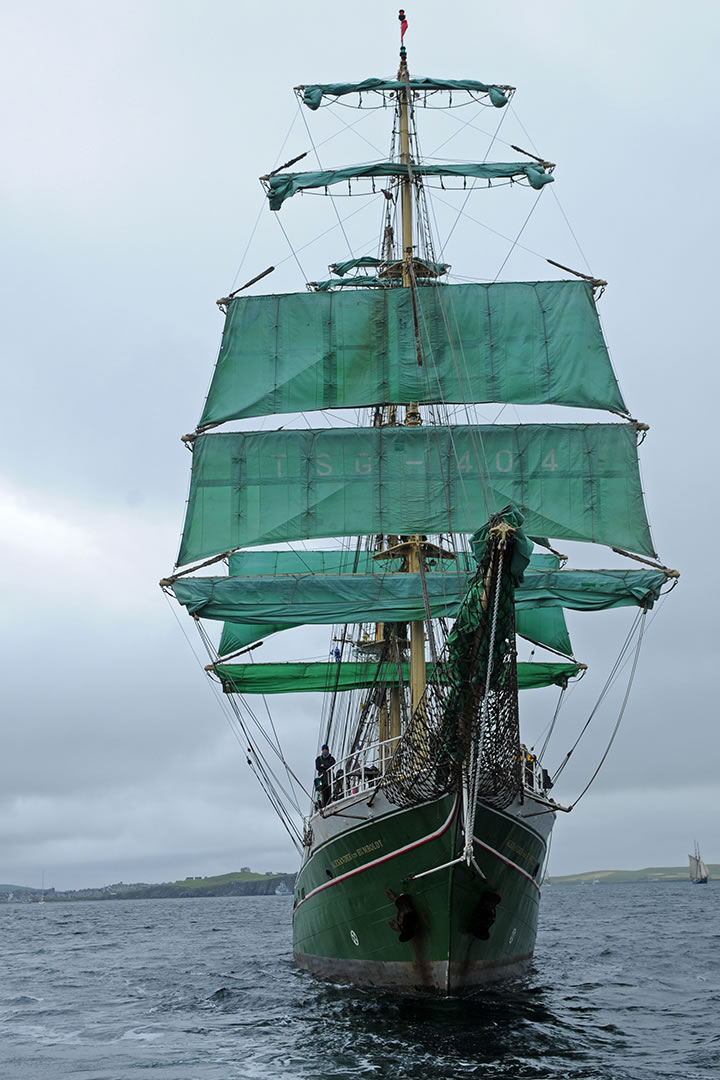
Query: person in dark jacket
323, 764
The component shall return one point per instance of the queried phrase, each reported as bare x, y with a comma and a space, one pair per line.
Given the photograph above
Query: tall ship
384, 506
699, 873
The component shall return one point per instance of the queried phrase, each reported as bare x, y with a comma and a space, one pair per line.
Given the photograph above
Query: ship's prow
386, 902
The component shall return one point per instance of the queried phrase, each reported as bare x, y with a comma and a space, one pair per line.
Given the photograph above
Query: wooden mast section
413, 549
406, 183
412, 417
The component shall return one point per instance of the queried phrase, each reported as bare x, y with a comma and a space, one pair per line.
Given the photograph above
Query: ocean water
625, 986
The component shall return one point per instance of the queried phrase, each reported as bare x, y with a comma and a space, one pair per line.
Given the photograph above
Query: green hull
347, 925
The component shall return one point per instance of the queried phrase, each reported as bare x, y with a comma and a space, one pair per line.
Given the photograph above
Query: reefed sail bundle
286, 678
282, 186
544, 626
357, 598
313, 95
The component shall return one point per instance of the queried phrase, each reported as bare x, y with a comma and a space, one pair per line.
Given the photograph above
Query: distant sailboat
699, 872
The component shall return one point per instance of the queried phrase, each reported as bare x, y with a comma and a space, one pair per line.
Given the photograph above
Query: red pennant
403, 25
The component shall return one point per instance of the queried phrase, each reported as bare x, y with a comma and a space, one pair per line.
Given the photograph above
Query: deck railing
535, 778
360, 771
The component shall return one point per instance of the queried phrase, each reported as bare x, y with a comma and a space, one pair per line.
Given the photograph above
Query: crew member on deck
323, 764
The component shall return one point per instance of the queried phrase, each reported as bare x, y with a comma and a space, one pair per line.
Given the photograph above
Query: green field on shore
619, 877
240, 883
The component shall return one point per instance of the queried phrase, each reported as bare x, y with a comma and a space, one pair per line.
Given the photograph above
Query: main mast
414, 552
405, 159
412, 549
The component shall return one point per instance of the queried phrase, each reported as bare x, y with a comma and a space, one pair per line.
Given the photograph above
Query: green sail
356, 675
351, 264
237, 636
571, 481
348, 561
332, 561
358, 598
546, 627
521, 342
282, 186
313, 95
361, 281
342, 268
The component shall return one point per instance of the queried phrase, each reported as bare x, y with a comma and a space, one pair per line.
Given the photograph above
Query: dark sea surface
625, 985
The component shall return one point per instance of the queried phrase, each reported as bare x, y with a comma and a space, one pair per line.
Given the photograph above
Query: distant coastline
650, 874
241, 883
247, 883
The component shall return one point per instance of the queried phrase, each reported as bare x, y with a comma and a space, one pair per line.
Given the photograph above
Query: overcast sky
132, 139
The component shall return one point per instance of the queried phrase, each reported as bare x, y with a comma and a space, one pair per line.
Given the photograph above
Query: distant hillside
247, 883
619, 877
242, 883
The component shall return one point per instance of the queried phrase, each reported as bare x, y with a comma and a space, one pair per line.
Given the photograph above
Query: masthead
403, 28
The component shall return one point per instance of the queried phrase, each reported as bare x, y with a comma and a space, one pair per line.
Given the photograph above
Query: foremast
415, 548
405, 159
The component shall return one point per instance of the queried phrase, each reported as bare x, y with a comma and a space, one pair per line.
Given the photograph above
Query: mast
412, 415
406, 184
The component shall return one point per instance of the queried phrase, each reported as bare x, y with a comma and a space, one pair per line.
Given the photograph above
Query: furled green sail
331, 561
571, 482
313, 95
351, 561
351, 264
362, 281
342, 268
358, 598
356, 675
282, 186
521, 342
545, 627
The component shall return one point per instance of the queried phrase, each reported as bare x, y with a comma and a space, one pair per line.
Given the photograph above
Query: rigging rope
260, 211
557, 200
493, 138
270, 782
614, 672
292, 249
317, 156
640, 625
560, 701
514, 243
620, 715
471, 771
